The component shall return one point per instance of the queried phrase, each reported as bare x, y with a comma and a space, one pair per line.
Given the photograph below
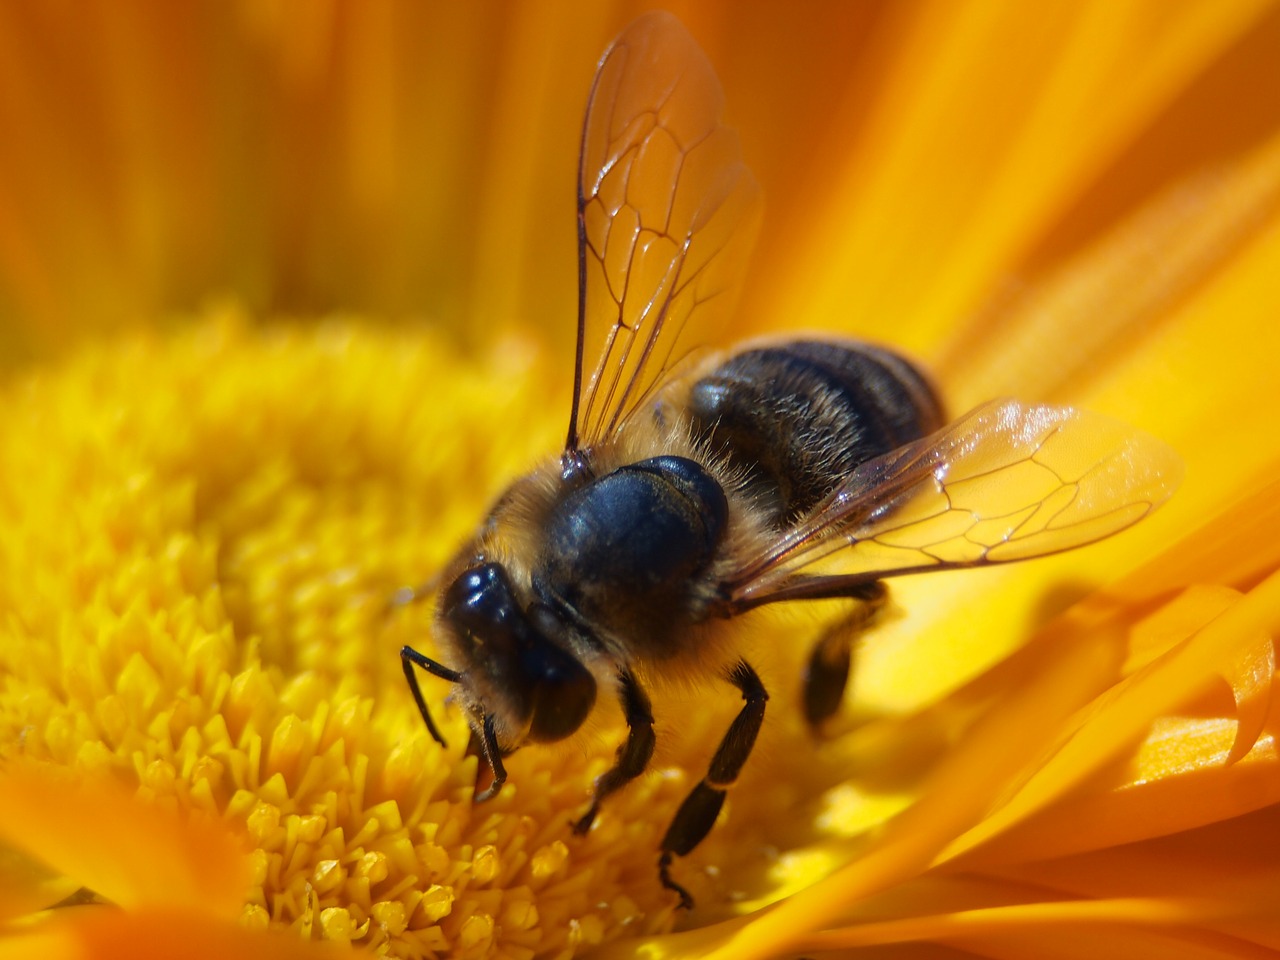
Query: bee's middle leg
699, 810
827, 673
634, 754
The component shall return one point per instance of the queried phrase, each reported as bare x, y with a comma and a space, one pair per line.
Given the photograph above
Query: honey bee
692, 490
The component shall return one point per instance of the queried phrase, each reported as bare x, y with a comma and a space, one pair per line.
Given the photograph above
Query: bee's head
515, 682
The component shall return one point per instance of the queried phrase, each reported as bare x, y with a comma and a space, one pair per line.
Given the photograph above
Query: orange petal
128, 852
1229, 866
156, 933
27, 886
1179, 789
990, 124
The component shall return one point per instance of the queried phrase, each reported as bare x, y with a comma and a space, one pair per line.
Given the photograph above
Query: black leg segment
698, 812
488, 743
827, 673
634, 754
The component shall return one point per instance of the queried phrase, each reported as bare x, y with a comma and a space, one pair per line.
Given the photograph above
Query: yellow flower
202, 518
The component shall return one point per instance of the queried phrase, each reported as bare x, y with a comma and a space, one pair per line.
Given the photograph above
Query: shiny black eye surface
565, 690
546, 692
481, 598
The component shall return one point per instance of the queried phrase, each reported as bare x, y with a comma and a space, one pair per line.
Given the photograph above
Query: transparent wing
1005, 482
666, 216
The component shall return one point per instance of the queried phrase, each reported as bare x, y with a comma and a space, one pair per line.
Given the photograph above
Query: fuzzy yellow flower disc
203, 539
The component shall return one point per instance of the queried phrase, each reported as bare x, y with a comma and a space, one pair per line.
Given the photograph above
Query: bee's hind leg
698, 812
827, 673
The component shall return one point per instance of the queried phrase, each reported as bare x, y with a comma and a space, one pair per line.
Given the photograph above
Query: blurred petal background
1076, 202
409, 160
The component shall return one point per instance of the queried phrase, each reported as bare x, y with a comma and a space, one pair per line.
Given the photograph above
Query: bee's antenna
409, 657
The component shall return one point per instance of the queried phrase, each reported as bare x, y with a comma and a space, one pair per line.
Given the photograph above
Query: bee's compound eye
530, 681
562, 704
474, 587
480, 600
564, 691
